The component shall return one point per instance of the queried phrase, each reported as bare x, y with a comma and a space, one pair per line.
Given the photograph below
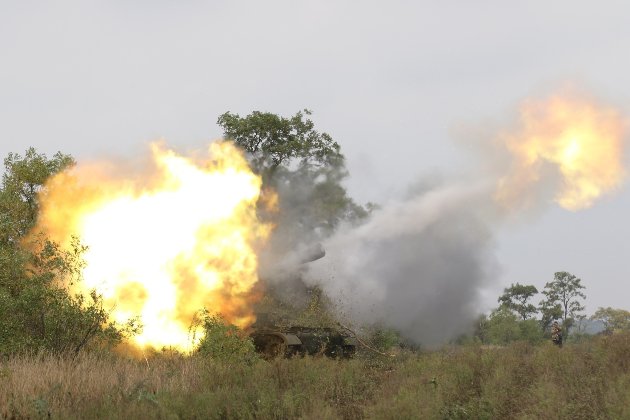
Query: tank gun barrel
313, 253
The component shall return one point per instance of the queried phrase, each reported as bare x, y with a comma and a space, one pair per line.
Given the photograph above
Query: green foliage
562, 300
530, 331
504, 327
549, 311
304, 166
223, 341
273, 141
42, 313
516, 298
614, 320
37, 308
385, 339
23, 179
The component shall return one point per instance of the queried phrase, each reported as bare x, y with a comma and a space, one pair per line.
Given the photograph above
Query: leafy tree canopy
273, 141
305, 167
516, 298
22, 180
562, 300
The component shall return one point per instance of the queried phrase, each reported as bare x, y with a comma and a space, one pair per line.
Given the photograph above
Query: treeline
517, 319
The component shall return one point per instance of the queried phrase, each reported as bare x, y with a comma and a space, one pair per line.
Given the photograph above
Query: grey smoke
298, 232
418, 265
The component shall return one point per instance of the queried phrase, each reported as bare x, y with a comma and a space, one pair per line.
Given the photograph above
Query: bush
385, 339
504, 327
223, 341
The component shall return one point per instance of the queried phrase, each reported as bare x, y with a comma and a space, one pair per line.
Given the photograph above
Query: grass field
586, 380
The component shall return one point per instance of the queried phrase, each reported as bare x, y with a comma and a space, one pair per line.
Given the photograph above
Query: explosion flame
166, 244
582, 140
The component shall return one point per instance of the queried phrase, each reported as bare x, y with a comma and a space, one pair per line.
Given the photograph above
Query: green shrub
223, 341
504, 327
385, 339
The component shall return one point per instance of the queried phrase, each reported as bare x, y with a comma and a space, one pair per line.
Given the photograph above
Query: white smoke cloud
418, 265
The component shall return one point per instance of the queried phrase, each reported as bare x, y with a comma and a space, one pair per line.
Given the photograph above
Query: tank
272, 340
291, 341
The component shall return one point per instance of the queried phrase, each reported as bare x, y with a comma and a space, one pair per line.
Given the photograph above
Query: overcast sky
391, 81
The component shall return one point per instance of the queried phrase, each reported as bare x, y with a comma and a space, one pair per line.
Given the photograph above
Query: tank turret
273, 338
274, 342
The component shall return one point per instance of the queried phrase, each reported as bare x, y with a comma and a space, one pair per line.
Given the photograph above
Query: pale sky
390, 81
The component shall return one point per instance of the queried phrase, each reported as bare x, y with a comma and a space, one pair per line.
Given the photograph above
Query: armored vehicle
273, 340
292, 341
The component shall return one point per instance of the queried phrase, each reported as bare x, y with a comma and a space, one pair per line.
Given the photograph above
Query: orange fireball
582, 140
164, 243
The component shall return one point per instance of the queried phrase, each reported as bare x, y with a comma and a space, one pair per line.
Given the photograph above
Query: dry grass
93, 386
583, 381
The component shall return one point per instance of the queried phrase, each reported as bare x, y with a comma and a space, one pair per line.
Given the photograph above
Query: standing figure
556, 334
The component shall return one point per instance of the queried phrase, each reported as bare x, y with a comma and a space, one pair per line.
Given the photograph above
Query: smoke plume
420, 264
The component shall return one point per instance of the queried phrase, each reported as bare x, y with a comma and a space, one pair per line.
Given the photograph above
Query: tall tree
305, 166
563, 298
273, 141
516, 298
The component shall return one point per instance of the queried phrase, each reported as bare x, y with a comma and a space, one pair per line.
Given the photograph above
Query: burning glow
581, 140
166, 243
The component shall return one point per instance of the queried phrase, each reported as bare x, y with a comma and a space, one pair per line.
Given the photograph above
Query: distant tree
516, 298
562, 301
613, 319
